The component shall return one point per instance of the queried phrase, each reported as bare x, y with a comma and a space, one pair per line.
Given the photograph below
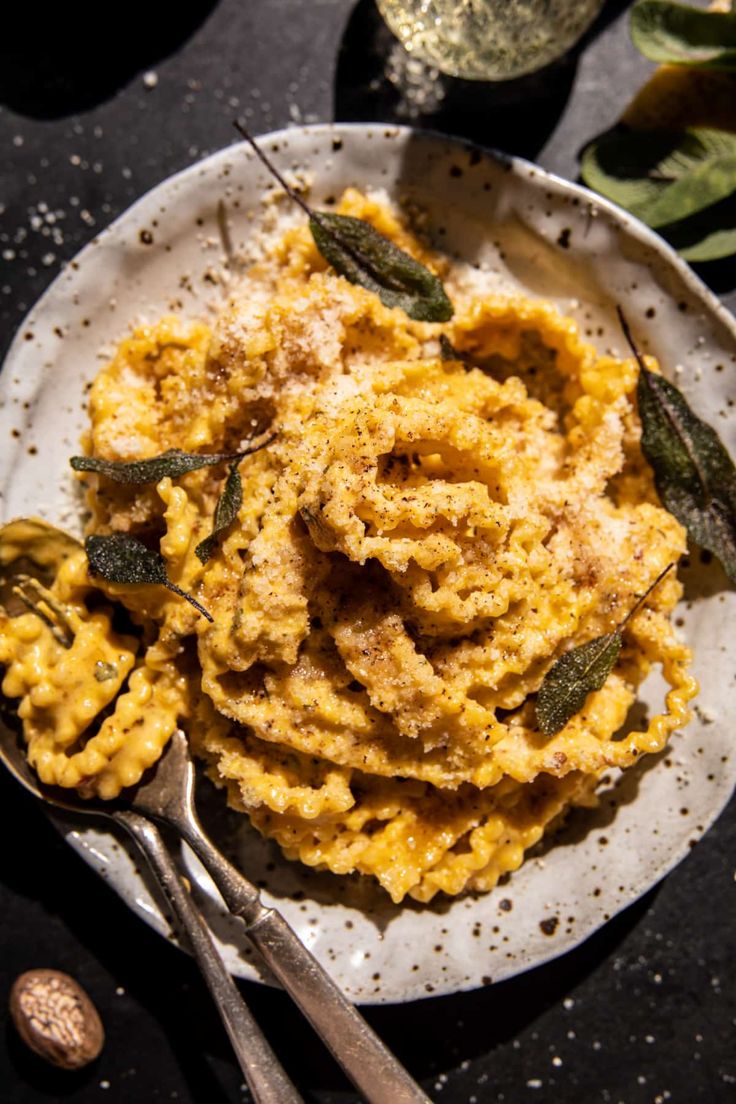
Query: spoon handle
369, 1064
261, 1068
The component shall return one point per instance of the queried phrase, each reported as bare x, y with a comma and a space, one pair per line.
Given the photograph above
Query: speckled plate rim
404, 985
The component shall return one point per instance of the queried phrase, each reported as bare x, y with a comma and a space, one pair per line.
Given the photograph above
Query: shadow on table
162, 979
377, 80
443, 1031
56, 60
720, 276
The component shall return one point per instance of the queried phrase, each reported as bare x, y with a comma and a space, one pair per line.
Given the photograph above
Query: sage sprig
583, 669
226, 511
680, 35
694, 475
172, 463
120, 558
363, 256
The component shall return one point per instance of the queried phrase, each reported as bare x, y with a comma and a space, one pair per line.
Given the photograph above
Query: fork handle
370, 1065
261, 1068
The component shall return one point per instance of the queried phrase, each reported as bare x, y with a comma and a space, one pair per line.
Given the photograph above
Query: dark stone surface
640, 1014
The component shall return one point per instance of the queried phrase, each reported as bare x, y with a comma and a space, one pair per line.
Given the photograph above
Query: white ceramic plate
533, 231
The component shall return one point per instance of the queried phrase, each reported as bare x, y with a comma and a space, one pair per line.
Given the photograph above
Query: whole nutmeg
54, 1017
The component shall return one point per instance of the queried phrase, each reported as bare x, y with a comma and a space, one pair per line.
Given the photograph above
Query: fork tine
45, 607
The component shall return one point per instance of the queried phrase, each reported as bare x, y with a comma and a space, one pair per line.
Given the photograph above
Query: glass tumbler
488, 39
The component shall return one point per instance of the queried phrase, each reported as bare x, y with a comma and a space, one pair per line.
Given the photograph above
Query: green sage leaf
574, 676
582, 670
626, 167
226, 511
681, 35
694, 475
173, 463
662, 177
120, 558
713, 246
708, 236
358, 252
713, 180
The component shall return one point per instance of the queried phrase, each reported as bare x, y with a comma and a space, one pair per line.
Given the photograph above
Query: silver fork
169, 797
373, 1069
261, 1068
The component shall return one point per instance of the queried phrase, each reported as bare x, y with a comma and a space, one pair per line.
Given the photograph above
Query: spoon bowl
12, 756
263, 1071
166, 794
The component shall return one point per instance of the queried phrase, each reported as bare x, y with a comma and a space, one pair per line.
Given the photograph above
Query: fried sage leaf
702, 187
582, 670
226, 511
173, 463
682, 35
358, 252
363, 256
575, 675
694, 475
120, 558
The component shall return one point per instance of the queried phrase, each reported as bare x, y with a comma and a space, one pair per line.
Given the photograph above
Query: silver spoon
261, 1068
370, 1065
169, 797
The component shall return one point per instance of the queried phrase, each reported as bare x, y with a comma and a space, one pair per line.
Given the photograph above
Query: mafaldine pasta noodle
426, 528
